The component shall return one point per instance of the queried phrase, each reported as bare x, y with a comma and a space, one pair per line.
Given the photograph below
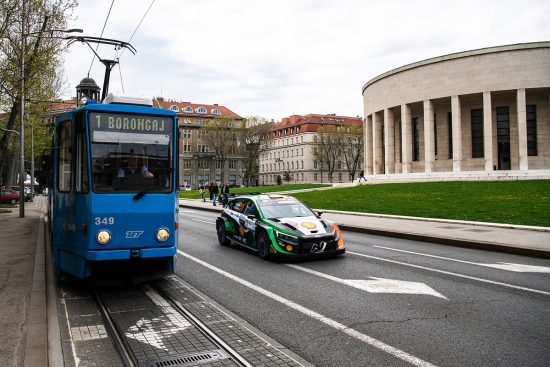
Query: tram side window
81, 161
64, 168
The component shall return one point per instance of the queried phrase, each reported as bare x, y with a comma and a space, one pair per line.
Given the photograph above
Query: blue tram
113, 202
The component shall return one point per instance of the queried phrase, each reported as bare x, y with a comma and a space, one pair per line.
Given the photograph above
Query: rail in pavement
520, 240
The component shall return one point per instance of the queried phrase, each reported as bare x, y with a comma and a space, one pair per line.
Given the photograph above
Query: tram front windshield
131, 153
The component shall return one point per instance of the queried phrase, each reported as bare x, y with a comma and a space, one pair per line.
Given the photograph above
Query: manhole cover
188, 359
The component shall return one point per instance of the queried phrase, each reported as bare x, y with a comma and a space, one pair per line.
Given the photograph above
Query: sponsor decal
319, 246
309, 225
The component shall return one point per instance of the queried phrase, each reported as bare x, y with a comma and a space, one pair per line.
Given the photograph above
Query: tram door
503, 138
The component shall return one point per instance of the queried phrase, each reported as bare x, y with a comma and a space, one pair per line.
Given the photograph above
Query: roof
314, 121
193, 109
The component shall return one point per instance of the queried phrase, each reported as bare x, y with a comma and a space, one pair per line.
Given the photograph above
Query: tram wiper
140, 194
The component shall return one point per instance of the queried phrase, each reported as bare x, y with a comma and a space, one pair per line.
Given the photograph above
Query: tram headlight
103, 237
163, 235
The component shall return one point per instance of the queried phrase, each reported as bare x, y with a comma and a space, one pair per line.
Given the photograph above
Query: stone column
457, 133
406, 138
488, 131
522, 130
377, 158
389, 141
429, 147
397, 139
369, 143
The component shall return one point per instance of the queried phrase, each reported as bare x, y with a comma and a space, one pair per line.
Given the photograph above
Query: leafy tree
42, 76
287, 177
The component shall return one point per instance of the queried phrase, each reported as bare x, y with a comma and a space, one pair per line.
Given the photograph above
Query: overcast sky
275, 58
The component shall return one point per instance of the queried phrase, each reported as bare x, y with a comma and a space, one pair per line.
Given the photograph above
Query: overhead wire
132, 36
103, 30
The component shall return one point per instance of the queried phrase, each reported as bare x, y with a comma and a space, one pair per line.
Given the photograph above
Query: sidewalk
521, 240
23, 341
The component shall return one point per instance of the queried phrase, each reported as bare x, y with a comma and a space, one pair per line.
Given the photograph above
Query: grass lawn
514, 202
194, 194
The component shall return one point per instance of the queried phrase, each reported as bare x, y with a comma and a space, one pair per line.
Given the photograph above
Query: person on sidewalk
209, 188
214, 191
362, 176
201, 191
224, 194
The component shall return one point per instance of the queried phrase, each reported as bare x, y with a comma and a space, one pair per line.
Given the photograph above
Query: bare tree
221, 137
351, 141
253, 140
328, 149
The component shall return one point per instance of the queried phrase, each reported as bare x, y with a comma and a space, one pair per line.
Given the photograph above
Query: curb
477, 245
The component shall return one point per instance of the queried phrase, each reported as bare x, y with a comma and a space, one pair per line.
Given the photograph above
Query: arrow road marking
397, 353
451, 273
377, 285
518, 268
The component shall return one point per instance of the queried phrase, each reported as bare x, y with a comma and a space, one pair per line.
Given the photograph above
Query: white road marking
518, 268
187, 211
154, 331
327, 321
453, 274
377, 285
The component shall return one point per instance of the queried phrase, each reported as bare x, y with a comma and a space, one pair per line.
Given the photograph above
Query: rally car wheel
263, 246
222, 235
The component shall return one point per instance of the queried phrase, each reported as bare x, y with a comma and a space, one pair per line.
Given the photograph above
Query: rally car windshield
284, 208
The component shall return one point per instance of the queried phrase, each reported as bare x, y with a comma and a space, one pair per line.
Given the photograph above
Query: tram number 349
104, 220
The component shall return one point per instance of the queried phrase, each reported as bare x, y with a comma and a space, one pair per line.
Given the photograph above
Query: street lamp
22, 174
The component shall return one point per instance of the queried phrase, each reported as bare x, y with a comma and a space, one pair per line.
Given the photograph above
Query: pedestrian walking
201, 191
362, 176
209, 188
224, 194
214, 191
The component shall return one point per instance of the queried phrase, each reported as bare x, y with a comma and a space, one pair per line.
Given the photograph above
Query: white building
481, 114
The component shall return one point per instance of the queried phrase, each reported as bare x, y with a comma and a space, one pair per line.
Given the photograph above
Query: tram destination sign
108, 127
141, 124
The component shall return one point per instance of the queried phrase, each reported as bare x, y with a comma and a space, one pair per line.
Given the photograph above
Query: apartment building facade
293, 146
198, 163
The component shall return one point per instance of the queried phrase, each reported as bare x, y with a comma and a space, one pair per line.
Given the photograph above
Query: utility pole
22, 174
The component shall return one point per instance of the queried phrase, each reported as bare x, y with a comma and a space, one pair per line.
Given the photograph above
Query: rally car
276, 225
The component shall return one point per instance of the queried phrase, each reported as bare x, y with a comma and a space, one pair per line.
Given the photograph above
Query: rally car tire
263, 246
222, 235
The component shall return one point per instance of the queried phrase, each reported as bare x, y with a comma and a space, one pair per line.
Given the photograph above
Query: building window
187, 147
174, 108
188, 109
218, 164
314, 164
315, 176
450, 133
186, 164
302, 165
416, 141
203, 148
186, 134
477, 133
232, 164
200, 110
532, 130
215, 111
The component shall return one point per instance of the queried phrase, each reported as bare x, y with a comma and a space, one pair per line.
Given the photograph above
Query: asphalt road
386, 302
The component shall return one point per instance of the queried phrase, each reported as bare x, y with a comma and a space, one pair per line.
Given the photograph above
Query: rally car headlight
286, 237
338, 237
162, 235
103, 237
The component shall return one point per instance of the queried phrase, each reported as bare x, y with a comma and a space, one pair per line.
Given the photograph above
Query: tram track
170, 320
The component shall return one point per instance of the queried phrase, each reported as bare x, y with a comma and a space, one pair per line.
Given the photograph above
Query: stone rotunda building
481, 114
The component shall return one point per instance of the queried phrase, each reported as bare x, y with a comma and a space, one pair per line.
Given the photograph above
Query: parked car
10, 196
276, 225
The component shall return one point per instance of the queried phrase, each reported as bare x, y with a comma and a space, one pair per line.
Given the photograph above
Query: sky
277, 58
